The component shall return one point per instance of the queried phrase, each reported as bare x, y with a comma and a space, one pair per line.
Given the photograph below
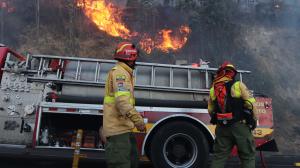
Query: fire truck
45, 99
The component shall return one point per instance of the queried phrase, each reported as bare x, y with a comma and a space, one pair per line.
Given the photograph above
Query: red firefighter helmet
227, 66
126, 51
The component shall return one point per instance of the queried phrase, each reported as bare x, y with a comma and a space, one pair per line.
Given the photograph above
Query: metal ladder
148, 75
44, 60
40, 72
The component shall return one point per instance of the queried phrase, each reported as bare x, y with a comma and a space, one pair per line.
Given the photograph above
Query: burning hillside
166, 40
108, 18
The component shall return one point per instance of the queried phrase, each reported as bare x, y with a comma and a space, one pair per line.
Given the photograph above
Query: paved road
273, 161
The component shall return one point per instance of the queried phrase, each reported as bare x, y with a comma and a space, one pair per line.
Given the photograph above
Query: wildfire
167, 40
108, 18
174, 42
147, 44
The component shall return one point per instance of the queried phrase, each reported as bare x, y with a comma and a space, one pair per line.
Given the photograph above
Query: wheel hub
180, 150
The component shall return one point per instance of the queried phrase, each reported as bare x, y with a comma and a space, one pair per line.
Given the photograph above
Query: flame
174, 42
167, 40
147, 44
106, 16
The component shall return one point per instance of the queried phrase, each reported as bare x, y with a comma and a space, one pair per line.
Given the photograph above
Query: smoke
273, 43
262, 37
13, 20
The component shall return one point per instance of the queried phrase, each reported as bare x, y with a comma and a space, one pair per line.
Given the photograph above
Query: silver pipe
27, 61
38, 126
142, 87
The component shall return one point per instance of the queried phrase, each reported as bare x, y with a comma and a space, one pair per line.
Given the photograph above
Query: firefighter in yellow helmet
119, 114
231, 108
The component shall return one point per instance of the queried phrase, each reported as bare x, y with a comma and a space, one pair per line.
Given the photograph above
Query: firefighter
231, 108
119, 113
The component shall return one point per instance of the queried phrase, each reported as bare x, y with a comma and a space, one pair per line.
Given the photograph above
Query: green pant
238, 134
121, 151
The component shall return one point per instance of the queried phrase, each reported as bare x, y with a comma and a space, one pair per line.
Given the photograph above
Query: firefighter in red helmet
231, 108
119, 114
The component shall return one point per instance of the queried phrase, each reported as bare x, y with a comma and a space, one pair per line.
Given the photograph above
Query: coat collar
125, 66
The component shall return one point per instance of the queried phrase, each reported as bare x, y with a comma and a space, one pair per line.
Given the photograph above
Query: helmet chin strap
131, 64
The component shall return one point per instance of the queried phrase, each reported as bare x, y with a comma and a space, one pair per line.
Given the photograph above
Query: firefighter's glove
141, 127
137, 119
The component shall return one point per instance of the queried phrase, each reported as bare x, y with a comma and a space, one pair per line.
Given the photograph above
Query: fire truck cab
45, 99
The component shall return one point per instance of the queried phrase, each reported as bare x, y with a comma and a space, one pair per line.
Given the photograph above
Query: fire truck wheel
179, 144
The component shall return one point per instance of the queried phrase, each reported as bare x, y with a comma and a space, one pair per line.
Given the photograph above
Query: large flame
108, 18
174, 42
167, 40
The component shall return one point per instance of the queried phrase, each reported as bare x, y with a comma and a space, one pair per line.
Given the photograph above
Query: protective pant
121, 151
226, 137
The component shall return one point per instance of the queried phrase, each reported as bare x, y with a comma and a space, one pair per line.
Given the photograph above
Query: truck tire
179, 145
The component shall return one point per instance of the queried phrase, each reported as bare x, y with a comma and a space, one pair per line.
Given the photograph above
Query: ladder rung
58, 70
99, 72
171, 77
79, 73
189, 79
40, 66
77, 70
206, 79
241, 77
152, 76
43, 67
96, 72
61, 67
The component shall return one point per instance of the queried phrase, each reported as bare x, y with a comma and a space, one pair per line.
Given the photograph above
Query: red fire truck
45, 99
